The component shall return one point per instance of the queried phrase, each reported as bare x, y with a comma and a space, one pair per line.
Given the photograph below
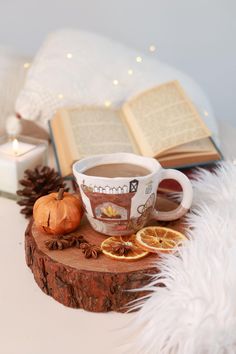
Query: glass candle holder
17, 155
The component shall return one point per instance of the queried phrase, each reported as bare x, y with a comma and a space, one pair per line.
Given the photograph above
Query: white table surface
32, 322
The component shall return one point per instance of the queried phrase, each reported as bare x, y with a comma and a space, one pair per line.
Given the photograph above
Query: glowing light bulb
130, 72
69, 55
206, 113
115, 82
15, 146
152, 48
60, 96
26, 65
107, 103
139, 59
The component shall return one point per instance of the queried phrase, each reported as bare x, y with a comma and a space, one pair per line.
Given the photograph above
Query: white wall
196, 36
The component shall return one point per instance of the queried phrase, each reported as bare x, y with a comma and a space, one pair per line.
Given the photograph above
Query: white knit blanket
195, 313
75, 67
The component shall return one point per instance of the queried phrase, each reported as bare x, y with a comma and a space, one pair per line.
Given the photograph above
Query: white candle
15, 157
16, 148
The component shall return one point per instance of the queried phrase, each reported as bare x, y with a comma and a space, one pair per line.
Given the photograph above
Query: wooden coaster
97, 285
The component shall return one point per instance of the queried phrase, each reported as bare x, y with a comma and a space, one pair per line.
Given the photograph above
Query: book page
189, 160
98, 131
60, 139
162, 118
202, 145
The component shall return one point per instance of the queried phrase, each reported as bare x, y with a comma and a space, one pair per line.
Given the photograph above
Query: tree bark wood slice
97, 285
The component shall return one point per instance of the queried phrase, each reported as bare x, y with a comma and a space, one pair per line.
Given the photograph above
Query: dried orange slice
159, 239
123, 248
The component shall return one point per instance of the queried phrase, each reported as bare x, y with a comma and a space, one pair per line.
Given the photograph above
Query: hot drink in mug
119, 191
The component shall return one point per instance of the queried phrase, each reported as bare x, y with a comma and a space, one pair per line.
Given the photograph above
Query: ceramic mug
123, 205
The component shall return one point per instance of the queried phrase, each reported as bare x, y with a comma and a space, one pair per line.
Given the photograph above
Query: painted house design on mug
111, 203
145, 211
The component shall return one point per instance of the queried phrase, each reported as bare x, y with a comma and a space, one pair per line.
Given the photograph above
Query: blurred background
195, 36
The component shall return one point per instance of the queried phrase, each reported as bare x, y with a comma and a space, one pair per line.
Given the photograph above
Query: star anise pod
73, 239
90, 250
65, 241
122, 249
57, 244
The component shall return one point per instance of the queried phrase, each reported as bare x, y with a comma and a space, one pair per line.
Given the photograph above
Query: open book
161, 122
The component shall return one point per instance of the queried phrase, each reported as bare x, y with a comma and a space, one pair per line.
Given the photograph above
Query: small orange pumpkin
58, 213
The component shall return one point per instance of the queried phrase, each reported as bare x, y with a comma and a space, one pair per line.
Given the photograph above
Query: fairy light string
115, 82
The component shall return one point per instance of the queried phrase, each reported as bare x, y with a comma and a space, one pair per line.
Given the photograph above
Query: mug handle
186, 200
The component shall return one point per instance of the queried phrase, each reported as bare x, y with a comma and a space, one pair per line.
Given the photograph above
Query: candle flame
15, 146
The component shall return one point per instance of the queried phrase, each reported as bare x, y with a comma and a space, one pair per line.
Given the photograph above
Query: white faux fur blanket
195, 313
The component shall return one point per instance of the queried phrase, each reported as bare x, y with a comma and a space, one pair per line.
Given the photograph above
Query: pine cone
38, 182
